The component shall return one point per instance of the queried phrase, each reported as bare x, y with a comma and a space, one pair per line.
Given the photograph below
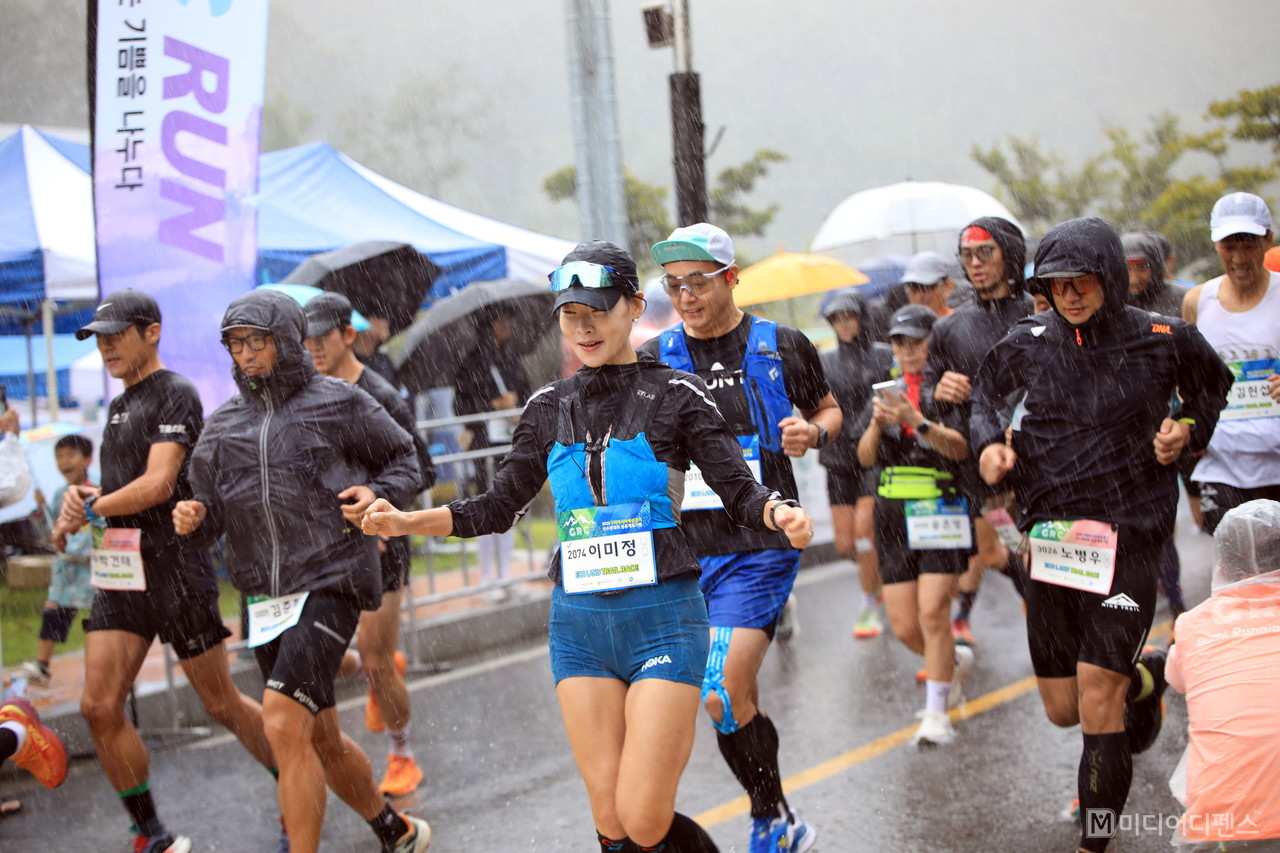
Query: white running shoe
964, 663
416, 841
935, 729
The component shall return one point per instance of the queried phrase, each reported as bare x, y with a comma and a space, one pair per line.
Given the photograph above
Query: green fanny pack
913, 484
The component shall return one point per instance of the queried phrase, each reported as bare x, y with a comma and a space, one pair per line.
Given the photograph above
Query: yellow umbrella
790, 274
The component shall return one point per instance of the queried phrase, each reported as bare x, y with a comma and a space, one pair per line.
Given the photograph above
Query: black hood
854, 302
1012, 245
1138, 244
1087, 245
284, 318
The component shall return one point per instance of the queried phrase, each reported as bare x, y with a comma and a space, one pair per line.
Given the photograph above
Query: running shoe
403, 776
964, 663
1143, 718
960, 630
1072, 811
416, 840
788, 623
372, 713
42, 753
35, 673
935, 729
921, 676
784, 833
161, 844
868, 625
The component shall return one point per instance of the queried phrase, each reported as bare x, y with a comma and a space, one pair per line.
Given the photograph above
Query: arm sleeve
715, 449
998, 379
202, 473
386, 450
519, 477
805, 380
1203, 383
934, 367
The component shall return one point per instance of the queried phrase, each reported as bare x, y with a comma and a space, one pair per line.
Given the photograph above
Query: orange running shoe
372, 713
42, 752
403, 776
961, 632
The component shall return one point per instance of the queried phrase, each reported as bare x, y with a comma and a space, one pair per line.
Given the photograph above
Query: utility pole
672, 28
601, 200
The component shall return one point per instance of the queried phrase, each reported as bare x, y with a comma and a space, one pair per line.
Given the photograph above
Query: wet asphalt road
500, 776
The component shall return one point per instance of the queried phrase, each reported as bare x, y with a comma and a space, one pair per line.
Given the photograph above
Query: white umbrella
905, 218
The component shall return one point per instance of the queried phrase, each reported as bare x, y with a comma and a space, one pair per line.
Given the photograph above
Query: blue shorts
657, 631
748, 590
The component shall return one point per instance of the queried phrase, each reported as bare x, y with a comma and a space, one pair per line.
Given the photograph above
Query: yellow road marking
825, 770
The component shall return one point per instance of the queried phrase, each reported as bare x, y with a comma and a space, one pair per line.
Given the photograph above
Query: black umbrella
381, 278
433, 348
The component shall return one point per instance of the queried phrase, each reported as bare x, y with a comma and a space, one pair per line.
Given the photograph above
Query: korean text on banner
177, 114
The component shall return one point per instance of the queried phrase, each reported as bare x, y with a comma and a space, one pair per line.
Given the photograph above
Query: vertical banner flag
176, 90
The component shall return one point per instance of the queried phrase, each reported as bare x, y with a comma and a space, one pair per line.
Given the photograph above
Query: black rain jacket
272, 459
962, 339
1095, 396
851, 370
1162, 296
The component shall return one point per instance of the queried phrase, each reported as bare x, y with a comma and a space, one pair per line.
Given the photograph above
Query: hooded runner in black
1090, 456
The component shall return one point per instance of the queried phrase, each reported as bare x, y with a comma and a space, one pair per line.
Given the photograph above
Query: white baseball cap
1239, 213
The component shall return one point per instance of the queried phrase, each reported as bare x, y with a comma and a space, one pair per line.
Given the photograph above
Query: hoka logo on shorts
660, 659
1120, 601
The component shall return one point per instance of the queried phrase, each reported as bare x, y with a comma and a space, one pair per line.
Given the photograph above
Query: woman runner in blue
628, 627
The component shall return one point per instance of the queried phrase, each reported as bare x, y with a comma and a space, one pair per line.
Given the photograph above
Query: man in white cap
927, 279
1239, 314
759, 374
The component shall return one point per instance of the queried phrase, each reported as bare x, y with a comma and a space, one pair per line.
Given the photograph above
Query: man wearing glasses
759, 373
1091, 456
286, 469
1239, 313
150, 581
992, 253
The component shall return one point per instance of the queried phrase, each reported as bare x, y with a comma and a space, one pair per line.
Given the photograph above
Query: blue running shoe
786, 833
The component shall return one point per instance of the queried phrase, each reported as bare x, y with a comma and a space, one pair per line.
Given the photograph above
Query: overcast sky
857, 94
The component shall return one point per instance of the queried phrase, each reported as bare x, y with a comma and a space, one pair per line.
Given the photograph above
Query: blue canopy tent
311, 199
13, 360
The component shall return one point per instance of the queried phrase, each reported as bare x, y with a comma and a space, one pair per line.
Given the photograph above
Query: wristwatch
924, 427
89, 514
773, 508
822, 437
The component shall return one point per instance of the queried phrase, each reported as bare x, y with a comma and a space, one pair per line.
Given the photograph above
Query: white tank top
1244, 451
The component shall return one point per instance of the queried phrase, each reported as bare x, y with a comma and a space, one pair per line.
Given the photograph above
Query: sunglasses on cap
586, 274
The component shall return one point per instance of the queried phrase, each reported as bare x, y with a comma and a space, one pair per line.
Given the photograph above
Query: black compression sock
138, 803
389, 827
8, 745
1106, 771
684, 836
752, 754
610, 845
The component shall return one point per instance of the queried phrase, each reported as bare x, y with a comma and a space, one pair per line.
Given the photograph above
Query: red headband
976, 234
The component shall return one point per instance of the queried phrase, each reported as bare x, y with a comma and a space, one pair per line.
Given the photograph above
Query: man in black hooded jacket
1091, 458
286, 468
857, 362
992, 253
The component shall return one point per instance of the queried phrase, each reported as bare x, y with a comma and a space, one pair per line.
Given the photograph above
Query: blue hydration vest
763, 384
615, 469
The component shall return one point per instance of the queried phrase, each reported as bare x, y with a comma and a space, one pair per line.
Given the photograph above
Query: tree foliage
1163, 178
648, 220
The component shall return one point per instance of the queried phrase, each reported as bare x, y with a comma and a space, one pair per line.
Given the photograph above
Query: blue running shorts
657, 631
748, 590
